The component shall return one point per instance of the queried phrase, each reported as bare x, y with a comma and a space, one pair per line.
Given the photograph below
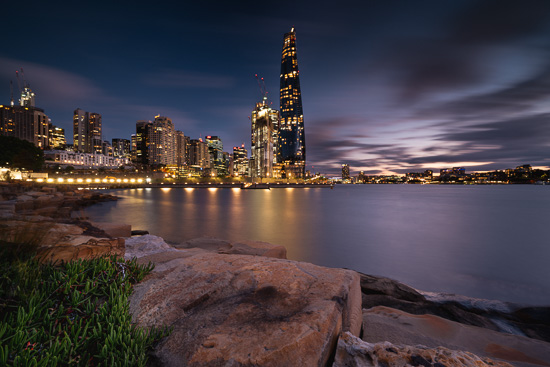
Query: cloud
53, 87
173, 78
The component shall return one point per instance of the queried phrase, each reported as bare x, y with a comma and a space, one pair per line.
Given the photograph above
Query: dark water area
487, 242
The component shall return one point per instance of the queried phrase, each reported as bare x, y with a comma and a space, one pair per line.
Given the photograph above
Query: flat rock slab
238, 310
254, 248
114, 229
353, 351
398, 327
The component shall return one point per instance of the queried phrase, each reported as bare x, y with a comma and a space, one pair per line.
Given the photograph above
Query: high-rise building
198, 154
240, 161
345, 172
87, 132
264, 123
182, 149
121, 148
26, 123
161, 142
291, 152
56, 137
141, 156
215, 149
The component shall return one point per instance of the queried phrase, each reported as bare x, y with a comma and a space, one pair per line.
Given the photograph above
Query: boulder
233, 310
255, 248
144, 246
114, 229
398, 327
353, 351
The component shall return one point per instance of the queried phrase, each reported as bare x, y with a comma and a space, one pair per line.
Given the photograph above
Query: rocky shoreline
244, 304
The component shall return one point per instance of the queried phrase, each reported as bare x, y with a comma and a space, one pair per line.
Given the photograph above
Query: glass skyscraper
291, 152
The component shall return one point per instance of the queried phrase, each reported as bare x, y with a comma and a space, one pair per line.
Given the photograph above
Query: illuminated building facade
26, 123
291, 152
87, 132
345, 172
240, 161
198, 154
264, 124
182, 149
161, 142
217, 161
121, 148
140, 153
56, 137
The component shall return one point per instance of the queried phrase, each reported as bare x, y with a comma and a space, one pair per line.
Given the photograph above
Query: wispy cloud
173, 78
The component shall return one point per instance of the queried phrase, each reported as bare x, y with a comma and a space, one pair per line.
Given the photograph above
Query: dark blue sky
387, 86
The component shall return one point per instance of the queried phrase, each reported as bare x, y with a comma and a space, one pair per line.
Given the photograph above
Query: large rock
235, 310
353, 352
145, 245
114, 229
386, 324
255, 248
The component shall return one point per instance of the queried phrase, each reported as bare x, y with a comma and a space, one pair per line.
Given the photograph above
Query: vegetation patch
74, 314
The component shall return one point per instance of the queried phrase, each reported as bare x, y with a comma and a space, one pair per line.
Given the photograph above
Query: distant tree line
20, 154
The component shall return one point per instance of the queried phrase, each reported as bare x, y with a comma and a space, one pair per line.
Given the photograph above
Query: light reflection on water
481, 241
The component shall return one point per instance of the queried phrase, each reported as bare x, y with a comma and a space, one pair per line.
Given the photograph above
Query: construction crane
18, 81
263, 89
11, 93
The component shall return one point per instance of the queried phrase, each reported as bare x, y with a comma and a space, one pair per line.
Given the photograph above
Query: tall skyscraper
87, 132
161, 142
264, 123
291, 152
25, 121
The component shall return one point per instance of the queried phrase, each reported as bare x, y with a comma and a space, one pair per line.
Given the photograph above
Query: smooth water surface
479, 241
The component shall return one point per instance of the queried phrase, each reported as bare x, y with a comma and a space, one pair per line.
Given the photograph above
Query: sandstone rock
352, 352
233, 310
255, 248
145, 245
388, 287
81, 247
386, 324
114, 229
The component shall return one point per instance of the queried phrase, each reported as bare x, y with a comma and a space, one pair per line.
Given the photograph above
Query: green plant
74, 314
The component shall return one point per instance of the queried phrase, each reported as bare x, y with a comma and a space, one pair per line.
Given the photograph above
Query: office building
264, 122
182, 149
121, 148
161, 142
240, 161
199, 157
345, 172
87, 132
215, 149
291, 152
56, 137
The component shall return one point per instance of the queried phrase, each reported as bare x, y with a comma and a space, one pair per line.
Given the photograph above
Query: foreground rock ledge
230, 310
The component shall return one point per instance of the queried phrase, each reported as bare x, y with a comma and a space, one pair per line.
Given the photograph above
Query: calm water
480, 241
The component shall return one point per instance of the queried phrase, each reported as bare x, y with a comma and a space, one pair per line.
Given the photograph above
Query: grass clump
76, 314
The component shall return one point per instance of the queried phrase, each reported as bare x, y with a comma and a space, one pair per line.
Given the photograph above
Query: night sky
387, 86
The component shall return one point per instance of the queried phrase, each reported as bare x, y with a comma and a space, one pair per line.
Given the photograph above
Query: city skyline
392, 87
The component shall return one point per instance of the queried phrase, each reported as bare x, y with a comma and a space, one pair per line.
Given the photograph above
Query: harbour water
479, 241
